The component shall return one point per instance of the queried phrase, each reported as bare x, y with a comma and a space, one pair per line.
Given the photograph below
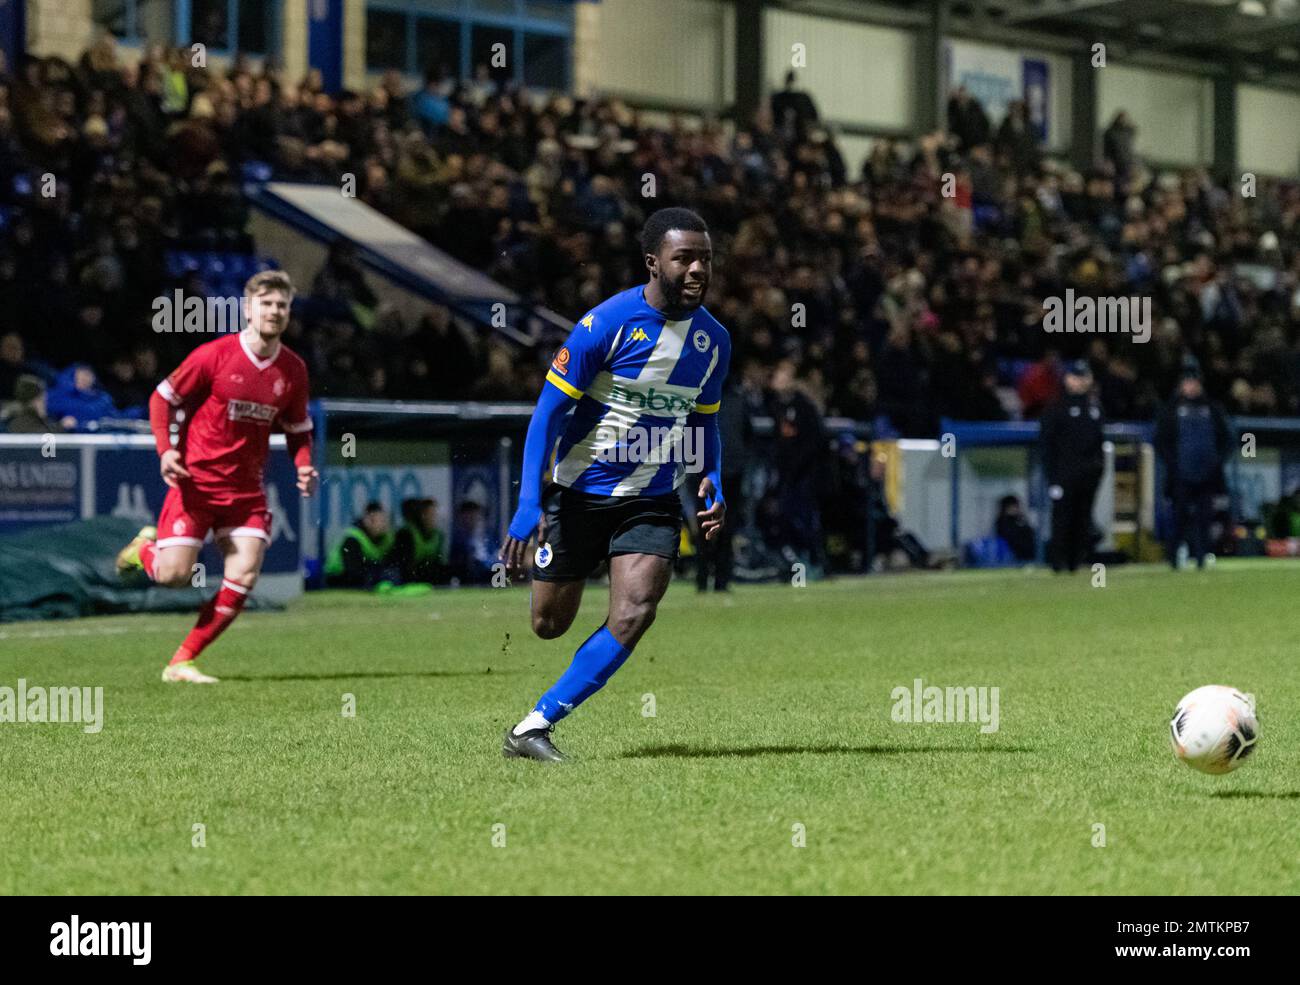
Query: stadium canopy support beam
930, 97
749, 60
1225, 125
1083, 109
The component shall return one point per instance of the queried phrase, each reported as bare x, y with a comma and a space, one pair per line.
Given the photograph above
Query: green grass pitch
772, 710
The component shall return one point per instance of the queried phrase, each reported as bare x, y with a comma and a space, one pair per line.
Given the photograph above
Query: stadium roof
1259, 40
1259, 36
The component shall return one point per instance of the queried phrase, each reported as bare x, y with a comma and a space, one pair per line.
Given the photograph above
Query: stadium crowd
907, 292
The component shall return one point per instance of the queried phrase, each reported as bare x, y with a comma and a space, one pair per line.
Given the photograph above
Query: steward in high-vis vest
364, 556
420, 548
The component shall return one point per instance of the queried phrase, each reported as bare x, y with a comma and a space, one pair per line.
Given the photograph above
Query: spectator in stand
1119, 147
13, 363
419, 548
26, 413
546, 196
341, 282
967, 120
473, 552
78, 397
1014, 529
363, 557
1284, 518
793, 110
1040, 385
800, 451
735, 427
429, 107
1016, 142
130, 395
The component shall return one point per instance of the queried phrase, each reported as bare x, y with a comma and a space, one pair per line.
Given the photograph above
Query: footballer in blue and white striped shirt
643, 374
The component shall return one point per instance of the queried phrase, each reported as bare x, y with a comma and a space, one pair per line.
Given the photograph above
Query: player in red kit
212, 420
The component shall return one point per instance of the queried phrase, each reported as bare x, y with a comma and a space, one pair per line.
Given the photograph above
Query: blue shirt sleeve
583, 355
573, 369
710, 398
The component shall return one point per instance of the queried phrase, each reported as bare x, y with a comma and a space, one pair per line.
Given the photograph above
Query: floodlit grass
773, 710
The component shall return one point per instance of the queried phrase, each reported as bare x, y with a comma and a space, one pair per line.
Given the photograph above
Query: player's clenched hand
308, 477
514, 552
172, 468
711, 519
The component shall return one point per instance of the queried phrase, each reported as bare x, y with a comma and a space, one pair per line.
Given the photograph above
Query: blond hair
268, 280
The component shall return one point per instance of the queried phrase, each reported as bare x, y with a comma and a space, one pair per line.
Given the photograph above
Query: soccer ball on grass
1214, 728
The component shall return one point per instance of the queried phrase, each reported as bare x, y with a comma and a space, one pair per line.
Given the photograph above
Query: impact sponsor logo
952, 705
660, 445
250, 410
75, 939
652, 400
1088, 315
178, 313
52, 705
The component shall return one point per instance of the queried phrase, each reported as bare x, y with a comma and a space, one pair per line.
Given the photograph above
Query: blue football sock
593, 665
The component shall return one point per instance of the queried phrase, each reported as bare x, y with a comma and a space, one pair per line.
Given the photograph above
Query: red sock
148, 550
217, 613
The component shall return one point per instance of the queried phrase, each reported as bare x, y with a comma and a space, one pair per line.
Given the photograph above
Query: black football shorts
583, 530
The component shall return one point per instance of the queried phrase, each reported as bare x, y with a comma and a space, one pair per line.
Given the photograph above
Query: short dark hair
664, 221
412, 508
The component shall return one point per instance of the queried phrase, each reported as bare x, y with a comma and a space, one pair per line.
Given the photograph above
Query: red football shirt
226, 401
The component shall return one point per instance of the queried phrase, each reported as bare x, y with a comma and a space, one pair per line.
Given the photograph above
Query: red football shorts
188, 514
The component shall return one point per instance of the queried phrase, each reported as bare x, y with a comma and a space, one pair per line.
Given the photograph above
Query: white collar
252, 356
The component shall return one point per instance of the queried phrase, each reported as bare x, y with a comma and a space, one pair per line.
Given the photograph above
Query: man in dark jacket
1193, 440
736, 432
1073, 462
793, 110
800, 449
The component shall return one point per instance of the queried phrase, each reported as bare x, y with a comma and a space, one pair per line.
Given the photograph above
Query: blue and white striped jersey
636, 376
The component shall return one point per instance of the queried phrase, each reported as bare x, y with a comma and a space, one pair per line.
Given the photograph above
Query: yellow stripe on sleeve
708, 408
565, 387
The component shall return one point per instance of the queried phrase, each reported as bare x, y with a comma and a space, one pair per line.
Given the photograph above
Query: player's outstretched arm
714, 514
543, 429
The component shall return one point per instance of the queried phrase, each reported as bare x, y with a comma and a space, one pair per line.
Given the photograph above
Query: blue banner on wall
12, 33
1034, 91
36, 489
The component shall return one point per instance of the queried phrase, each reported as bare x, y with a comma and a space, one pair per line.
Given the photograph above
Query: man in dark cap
1193, 440
1073, 462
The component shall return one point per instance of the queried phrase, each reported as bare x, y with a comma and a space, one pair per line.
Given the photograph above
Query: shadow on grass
363, 675
701, 752
1256, 795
